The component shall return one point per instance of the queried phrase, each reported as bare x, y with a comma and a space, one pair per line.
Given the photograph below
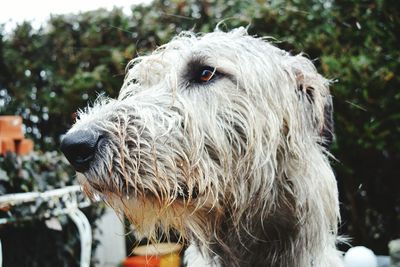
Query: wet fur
238, 166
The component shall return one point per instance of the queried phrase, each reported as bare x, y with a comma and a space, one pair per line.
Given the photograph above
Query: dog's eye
206, 74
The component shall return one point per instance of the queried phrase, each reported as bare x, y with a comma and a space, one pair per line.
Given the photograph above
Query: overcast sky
37, 11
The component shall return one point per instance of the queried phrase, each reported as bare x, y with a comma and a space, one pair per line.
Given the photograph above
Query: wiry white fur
248, 143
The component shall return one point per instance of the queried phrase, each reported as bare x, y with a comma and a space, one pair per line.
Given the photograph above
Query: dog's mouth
102, 186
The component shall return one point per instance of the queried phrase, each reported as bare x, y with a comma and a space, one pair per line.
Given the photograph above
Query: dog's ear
313, 89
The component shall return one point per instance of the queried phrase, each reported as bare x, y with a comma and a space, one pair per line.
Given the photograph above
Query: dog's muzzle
79, 148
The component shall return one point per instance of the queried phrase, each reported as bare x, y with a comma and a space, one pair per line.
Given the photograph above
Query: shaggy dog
223, 138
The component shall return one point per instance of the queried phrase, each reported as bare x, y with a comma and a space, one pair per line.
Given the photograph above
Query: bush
46, 74
36, 172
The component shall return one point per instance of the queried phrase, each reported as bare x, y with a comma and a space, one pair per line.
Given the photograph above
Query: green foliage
36, 172
46, 74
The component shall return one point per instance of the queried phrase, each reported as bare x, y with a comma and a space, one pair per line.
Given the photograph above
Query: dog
224, 138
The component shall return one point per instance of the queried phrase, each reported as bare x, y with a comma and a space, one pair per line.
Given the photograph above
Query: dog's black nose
79, 148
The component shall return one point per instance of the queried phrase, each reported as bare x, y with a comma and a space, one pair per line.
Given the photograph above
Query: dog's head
201, 131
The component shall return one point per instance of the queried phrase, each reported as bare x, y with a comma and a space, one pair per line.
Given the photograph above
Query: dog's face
200, 130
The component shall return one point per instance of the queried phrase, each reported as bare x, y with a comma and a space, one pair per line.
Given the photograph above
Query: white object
85, 234
110, 233
360, 257
67, 200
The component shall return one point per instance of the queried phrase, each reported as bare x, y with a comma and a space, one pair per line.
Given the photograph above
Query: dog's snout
79, 148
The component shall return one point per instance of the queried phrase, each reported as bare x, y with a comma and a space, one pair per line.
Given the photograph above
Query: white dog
223, 138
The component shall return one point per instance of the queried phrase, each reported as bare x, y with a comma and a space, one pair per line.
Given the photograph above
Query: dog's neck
267, 241
262, 239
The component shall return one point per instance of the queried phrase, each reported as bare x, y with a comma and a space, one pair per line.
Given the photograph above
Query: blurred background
50, 66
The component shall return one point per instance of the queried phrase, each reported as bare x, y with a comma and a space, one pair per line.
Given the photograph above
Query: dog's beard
150, 212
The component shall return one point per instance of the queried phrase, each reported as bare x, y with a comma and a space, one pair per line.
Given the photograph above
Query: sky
38, 11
